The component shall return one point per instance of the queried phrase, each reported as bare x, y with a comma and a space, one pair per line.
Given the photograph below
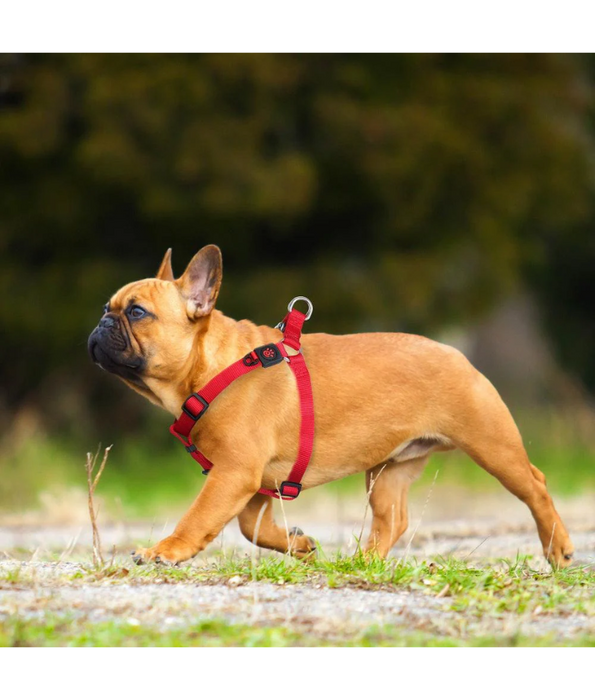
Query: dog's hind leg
489, 435
388, 487
258, 525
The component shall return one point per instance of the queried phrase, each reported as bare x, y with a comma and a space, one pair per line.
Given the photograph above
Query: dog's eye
136, 312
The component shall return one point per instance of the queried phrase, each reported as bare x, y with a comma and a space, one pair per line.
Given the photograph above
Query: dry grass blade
549, 549
92, 481
485, 539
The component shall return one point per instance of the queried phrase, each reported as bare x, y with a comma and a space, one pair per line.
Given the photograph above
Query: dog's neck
218, 342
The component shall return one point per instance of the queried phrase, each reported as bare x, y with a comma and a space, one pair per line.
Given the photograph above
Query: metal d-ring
310, 305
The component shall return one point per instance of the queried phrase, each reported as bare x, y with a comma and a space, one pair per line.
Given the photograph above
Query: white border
298, 26
295, 674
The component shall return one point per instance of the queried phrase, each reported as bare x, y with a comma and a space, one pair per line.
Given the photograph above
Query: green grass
66, 631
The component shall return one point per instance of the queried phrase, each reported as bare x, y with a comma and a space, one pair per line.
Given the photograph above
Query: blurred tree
406, 192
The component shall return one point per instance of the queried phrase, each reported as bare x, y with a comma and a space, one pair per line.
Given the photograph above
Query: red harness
265, 356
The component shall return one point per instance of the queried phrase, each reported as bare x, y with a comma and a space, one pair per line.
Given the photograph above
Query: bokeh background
448, 195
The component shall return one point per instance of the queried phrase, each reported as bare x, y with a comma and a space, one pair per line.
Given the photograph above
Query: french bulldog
383, 403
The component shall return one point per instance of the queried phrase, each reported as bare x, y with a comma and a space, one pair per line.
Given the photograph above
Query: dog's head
148, 327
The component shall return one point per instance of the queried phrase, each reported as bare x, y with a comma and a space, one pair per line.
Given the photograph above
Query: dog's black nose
107, 322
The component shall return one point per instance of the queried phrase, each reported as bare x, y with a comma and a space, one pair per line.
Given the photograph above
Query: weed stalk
92, 481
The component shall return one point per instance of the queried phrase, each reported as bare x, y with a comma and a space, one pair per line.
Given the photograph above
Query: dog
383, 403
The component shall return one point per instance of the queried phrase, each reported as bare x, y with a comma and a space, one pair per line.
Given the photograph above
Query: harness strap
292, 328
265, 356
291, 488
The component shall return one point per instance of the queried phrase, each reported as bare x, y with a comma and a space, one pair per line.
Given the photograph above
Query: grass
217, 633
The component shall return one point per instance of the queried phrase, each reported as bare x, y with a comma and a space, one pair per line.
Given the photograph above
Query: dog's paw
560, 555
169, 552
300, 545
146, 556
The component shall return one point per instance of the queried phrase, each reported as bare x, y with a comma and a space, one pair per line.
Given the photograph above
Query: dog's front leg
224, 495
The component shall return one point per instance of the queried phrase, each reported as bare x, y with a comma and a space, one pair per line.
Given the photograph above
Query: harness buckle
269, 355
195, 406
290, 489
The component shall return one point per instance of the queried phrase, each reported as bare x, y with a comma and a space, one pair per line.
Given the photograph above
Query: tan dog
383, 403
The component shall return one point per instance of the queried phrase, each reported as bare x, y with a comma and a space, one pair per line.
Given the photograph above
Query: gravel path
471, 539
252, 603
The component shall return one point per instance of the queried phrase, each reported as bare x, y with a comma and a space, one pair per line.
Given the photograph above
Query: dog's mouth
107, 352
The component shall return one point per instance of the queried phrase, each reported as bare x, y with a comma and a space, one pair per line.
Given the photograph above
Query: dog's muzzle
107, 347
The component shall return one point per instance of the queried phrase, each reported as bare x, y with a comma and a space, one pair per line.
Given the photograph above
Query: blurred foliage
407, 192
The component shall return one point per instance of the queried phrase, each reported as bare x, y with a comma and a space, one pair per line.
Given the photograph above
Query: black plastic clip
293, 487
269, 355
190, 412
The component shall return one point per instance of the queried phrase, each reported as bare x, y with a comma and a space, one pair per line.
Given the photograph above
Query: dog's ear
165, 271
201, 281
